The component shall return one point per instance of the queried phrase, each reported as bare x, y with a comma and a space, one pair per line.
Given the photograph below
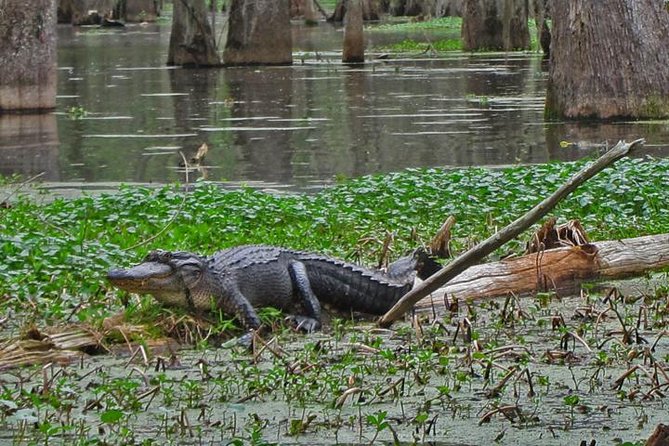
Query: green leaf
111, 416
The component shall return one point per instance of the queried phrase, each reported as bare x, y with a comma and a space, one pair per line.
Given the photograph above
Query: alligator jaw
146, 277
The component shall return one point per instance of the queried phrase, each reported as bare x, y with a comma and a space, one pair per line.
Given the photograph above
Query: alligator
240, 279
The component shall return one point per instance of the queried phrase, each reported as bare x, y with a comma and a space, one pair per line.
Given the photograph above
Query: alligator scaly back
237, 280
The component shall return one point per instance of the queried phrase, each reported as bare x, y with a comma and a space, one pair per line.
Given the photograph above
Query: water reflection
301, 125
29, 146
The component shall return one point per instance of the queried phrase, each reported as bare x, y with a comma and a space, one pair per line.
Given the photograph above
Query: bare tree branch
510, 232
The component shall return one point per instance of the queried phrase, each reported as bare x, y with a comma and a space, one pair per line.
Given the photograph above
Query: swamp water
123, 116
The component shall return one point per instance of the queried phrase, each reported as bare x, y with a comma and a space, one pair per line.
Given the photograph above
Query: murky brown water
300, 126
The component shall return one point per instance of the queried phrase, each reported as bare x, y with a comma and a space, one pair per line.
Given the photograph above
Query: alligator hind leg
312, 321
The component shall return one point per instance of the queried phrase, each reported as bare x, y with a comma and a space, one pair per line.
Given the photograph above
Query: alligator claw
303, 323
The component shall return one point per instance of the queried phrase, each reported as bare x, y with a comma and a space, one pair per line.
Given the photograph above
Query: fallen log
478, 252
659, 437
559, 269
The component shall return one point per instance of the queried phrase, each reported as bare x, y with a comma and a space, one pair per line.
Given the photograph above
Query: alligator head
173, 278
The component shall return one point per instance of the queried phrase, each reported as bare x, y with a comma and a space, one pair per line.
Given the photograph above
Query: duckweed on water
55, 255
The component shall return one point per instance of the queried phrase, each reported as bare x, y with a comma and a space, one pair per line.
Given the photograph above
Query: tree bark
495, 25
139, 10
192, 41
539, 10
27, 55
354, 39
659, 437
425, 8
310, 17
259, 33
609, 59
371, 10
561, 269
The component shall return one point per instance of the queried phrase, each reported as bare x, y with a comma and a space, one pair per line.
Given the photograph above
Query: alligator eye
163, 256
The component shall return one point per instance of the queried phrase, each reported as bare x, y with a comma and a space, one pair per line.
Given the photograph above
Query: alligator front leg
233, 302
312, 321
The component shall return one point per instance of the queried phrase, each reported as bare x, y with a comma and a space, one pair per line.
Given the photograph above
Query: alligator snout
135, 277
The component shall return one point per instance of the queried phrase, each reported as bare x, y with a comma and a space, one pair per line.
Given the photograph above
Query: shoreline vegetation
56, 253
486, 367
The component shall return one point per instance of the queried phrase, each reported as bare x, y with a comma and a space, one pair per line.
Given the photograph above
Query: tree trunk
354, 39
192, 40
444, 8
139, 10
371, 10
539, 10
259, 33
27, 55
609, 59
561, 269
495, 25
310, 16
90, 12
410, 8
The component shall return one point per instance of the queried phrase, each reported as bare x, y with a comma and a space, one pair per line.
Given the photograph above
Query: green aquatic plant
55, 254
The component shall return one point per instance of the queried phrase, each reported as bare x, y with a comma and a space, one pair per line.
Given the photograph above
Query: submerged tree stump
495, 25
354, 39
609, 59
259, 33
139, 10
27, 56
192, 41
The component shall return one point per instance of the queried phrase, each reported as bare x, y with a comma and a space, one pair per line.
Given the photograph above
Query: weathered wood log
560, 269
660, 436
514, 229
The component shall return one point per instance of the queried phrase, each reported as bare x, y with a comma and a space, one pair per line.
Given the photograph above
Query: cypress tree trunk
609, 59
495, 25
192, 41
259, 33
354, 40
371, 10
27, 55
140, 10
